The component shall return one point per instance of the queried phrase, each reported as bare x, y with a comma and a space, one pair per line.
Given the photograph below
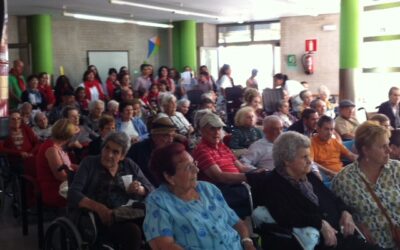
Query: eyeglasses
191, 166
16, 118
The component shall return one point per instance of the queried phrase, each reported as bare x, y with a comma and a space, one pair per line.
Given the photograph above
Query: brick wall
72, 38
294, 32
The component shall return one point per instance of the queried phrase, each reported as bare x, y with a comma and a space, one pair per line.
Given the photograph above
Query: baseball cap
346, 103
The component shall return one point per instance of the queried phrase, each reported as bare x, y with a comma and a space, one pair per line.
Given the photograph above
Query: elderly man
216, 161
218, 165
104, 184
391, 108
326, 150
17, 84
307, 124
162, 133
346, 123
259, 154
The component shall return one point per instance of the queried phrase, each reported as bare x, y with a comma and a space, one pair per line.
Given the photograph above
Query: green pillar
350, 42
40, 38
184, 44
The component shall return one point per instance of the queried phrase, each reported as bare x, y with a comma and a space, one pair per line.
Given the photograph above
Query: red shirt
110, 88
207, 155
48, 93
48, 184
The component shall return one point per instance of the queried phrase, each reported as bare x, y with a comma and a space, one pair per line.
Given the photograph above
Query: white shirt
259, 155
129, 129
179, 120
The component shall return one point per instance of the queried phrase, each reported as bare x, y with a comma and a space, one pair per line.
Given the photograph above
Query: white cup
127, 179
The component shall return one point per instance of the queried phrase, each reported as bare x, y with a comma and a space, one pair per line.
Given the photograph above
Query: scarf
303, 185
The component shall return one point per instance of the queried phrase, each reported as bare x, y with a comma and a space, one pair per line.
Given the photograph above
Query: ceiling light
115, 20
152, 7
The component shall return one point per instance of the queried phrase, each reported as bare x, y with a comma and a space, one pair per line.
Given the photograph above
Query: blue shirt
206, 223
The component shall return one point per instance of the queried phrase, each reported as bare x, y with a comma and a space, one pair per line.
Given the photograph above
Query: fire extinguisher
308, 63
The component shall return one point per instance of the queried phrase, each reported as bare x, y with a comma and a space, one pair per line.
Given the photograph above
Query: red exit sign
311, 45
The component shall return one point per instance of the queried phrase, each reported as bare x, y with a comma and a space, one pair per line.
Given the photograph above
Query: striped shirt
207, 155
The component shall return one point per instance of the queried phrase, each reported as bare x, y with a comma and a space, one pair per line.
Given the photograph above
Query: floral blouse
349, 186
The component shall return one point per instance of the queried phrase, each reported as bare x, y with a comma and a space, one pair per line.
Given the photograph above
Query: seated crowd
148, 142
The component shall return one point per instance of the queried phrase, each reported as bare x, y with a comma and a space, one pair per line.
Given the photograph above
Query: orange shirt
328, 154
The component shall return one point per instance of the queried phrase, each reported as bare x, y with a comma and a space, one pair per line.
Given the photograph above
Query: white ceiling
234, 10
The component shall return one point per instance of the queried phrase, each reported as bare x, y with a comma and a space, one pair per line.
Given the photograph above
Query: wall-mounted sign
291, 61
311, 45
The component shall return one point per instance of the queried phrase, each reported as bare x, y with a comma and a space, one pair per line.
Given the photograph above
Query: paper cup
127, 179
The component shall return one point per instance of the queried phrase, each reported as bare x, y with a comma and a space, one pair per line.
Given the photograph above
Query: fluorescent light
115, 20
152, 7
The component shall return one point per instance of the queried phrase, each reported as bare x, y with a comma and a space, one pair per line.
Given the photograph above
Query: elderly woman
183, 106
382, 120
42, 129
252, 98
245, 132
50, 158
184, 213
96, 109
130, 122
373, 168
112, 108
168, 105
283, 111
296, 197
104, 184
21, 143
106, 126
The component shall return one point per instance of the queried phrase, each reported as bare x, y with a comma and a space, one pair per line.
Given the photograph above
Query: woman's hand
248, 246
329, 234
365, 231
136, 188
346, 221
105, 214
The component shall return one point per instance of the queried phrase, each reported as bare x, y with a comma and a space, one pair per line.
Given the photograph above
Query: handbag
394, 229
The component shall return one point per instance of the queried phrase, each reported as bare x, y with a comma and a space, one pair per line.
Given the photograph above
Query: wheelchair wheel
63, 235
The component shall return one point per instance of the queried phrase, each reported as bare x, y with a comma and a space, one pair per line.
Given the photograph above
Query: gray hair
182, 102
271, 118
93, 104
119, 138
286, 146
36, 117
167, 98
112, 103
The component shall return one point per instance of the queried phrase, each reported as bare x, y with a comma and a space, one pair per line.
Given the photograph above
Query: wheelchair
77, 230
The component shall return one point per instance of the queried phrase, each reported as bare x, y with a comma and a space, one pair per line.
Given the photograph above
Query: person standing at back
391, 108
17, 84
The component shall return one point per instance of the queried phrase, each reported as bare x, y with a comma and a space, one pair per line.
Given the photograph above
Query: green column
40, 38
350, 42
184, 44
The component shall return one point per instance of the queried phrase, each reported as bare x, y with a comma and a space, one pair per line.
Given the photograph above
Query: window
234, 34
269, 32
